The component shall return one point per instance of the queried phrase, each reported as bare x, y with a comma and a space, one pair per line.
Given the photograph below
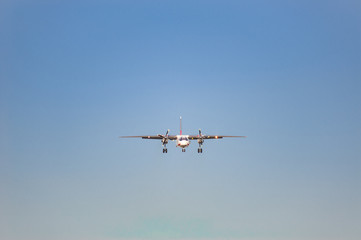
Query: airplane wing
195, 137
171, 137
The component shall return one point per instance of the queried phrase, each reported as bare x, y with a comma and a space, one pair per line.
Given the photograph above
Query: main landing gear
200, 142
164, 143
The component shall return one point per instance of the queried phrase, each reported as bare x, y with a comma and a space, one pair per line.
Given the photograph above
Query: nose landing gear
183, 150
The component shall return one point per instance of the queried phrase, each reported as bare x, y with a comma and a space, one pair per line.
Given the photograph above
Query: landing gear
183, 150
164, 143
200, 142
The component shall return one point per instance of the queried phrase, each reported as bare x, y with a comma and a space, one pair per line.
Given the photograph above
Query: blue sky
74, 75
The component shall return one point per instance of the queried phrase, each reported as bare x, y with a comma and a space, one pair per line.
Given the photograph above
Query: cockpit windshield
183, 139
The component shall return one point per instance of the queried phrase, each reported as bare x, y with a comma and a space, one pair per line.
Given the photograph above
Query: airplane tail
180, 119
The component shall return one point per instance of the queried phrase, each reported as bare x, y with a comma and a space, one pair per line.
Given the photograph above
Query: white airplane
183, 141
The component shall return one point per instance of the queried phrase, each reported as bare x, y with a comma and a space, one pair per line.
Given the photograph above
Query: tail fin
180, 125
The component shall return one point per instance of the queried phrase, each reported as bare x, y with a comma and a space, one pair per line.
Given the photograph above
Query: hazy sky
75, 75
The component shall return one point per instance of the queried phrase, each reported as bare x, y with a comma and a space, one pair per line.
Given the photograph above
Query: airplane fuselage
183, 141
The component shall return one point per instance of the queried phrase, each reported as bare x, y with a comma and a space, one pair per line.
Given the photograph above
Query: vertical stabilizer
180, 125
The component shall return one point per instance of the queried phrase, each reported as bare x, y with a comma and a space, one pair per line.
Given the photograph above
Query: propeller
201, 136
165, 137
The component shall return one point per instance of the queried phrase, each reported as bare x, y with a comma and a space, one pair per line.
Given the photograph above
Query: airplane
183, 141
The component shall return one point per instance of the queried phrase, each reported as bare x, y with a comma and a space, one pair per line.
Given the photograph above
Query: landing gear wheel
200, 150
165, 150
183, 150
